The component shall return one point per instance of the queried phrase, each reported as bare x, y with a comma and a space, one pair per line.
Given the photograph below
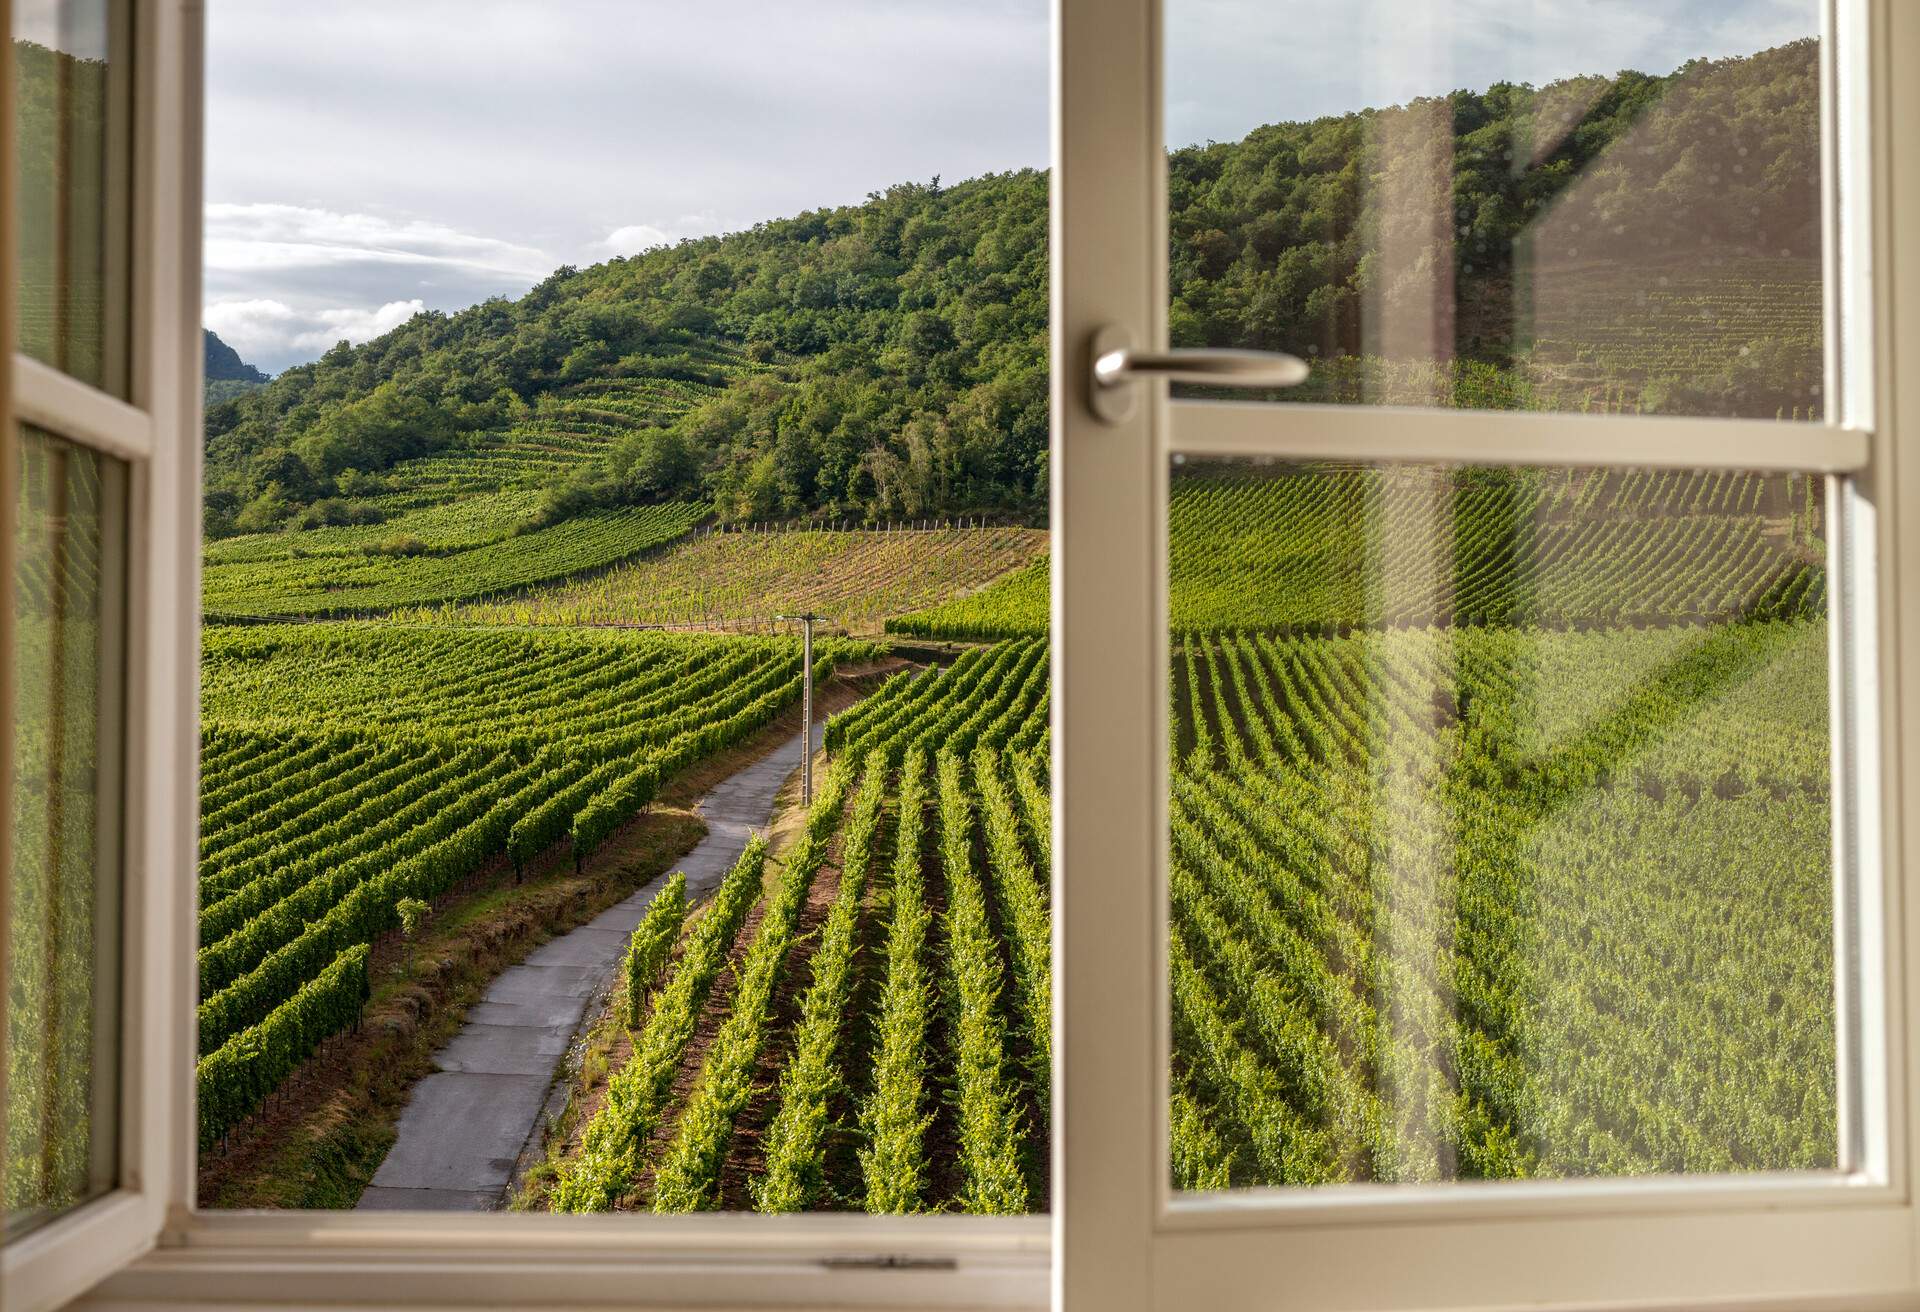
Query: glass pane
69, 72
1501, 824
63, 927
1504, 205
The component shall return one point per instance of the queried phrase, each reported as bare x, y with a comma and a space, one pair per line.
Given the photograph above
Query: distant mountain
228, 375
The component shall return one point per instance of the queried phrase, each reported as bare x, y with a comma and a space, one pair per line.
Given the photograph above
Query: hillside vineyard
346, 769
1500, 810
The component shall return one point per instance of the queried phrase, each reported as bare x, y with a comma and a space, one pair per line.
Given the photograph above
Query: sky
367, 159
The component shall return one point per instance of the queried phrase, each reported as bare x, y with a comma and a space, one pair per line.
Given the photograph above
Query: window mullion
52, 400
1492, 437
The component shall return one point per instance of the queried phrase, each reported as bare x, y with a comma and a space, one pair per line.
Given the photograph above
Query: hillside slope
1626, 243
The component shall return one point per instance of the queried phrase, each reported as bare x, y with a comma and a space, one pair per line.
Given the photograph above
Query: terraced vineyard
347, 767
372, 580
1324, 549
1447, 903
858, 577
942, 1034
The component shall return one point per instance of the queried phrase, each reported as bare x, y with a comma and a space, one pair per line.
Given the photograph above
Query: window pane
1507, 205
62, 953
69, 71
1501, 824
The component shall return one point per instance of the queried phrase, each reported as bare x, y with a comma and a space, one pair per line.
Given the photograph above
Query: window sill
387, 1260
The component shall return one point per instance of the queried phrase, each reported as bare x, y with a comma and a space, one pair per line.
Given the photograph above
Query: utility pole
806, 622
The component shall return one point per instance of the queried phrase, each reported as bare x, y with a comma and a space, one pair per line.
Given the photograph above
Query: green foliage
236, 1077
612, 1143
795, 1173
688, 1178
895, 1116
988, 1115
888, 360
398, 571
413, 914
652, 943
352, 773
1025, 916
1313, 548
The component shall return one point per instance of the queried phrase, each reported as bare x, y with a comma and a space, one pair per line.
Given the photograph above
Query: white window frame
1118, 1245
1777, 1240
160, 307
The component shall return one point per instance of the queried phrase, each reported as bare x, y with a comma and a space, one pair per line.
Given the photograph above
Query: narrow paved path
465, 1125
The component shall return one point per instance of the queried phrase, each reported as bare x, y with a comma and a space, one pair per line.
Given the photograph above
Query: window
1171, 708
1431, 949
95, 470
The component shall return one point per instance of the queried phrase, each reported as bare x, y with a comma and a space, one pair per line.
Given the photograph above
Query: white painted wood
1497, 437
1107, 626
49, 399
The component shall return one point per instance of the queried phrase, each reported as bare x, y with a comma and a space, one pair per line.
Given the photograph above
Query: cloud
636, 237
76, 29
253, 238
271, 333
284, 282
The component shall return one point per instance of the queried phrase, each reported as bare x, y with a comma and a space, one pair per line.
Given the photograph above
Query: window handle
1116, 364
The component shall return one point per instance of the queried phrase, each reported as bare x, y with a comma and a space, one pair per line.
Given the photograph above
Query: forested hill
888, 359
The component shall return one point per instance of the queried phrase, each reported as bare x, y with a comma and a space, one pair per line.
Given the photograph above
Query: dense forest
1633, 241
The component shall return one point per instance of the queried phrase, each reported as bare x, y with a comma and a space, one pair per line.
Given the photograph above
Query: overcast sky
368, 158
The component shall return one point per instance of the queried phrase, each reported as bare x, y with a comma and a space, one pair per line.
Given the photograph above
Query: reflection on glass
1500, 824
62, 977
66, 92
1476, 209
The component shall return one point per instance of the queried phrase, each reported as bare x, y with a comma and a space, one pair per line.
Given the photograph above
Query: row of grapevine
857, 576
1445, 903
1323, 549
354, 768
377, 582
860, 1103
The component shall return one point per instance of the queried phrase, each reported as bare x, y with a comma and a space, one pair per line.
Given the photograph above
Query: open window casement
101, 228
1840, 1234
1830, 1222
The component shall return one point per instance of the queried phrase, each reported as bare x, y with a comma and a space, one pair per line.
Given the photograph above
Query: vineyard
378, 580
1392, 956
858, 577
348, 767
1391, 953
1318, 549
911, 872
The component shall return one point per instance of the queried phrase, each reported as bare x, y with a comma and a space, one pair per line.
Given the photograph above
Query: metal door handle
1116, 364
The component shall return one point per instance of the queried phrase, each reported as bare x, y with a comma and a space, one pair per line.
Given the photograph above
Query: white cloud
634, 238
271, 331
255, 238
637, 237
